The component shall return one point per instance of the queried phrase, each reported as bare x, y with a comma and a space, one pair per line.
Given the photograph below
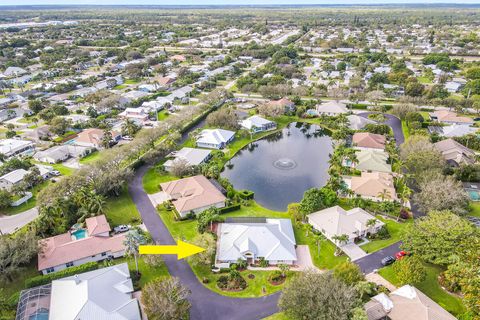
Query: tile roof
369, 140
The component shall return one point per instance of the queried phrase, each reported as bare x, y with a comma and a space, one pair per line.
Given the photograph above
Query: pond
282, 166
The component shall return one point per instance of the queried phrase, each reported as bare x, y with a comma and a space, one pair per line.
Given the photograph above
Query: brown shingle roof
369, 140
192, 193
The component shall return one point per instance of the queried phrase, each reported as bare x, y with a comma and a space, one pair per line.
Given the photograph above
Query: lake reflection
280, 167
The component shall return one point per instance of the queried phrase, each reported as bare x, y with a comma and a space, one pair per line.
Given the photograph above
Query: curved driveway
206, 304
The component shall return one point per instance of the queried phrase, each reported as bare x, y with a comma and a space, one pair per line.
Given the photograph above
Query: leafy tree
223, 118
348, 272
129, 128
180, 168
5, 199
16, 252
439, 192
206, 218
166, 299
409, 270
419, 155
414, 89
318, 296
283, 269
316, 199
435, 237
293, 210
35, 105
359, 314
206, 257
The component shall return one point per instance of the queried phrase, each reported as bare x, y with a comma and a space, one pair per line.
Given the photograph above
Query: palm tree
318, 240
133, 240
340, 239
129, 127
385, 194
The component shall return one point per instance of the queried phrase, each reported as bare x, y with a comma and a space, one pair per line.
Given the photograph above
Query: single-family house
79, 246
59, 154
14, 147
193, 195
358, 122
332, 108
371, 160
258, 124
106, 293
335, 221
453, 86
367, 140
454, 130
376, 186
405, 303
139, 114
215, 138
191, 156
13, 178
14, 72
455, 153
93, 137
450, 117
285, 103
270, 239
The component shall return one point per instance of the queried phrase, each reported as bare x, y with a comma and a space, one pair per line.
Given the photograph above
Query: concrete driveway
304, 259
353, 251
10, 224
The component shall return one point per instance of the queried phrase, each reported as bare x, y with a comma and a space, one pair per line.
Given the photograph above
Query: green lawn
152, 179
131, 81
30, 203
149, 273
91, 157
120, 87
424, 80
18, 281
394, 228
475, 209
122, 210
257, 287
277, 316
405, 129
162, 115
431, 288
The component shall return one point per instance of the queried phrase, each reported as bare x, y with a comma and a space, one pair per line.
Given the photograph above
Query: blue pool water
40, 315
79, 234
474, 195
70, 142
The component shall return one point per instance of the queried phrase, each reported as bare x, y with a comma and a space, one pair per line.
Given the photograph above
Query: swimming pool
79, 234
474, 195
41, 314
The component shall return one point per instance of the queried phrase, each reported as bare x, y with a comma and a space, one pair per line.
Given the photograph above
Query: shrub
263, 263
276, 277
246, 194
383, 233
44, 279
231, 208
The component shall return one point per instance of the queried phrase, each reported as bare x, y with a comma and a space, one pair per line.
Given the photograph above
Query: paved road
373, 261
206, 305
394, 123
10, 224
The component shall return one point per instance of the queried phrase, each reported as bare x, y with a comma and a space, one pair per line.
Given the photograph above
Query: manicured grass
30, 203
257, 287
162, 115
405, 129
431, 288
121, 210
131, 81
64, 171
91, 157
277, 316
18, 280
475, 209
326, 259
148, 273
424, 80
120, 87
394, 228
152, 179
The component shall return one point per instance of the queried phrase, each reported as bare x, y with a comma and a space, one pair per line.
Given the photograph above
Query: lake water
281, 167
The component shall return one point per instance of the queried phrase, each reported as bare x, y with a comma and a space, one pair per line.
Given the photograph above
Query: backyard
431, 288
122, 210
395, 230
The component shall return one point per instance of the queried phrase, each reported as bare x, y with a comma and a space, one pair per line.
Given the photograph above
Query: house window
50, 270
104, 254
69, 264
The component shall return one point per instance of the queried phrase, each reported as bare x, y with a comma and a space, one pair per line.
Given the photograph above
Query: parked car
399, 255
121, 228
55, 173
388, 260
128, 138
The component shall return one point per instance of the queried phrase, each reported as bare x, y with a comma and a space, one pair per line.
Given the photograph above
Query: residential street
206, 304
9, 224
373, 261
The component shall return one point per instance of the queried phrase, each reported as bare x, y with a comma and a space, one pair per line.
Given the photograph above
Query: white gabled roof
215, 136
254, 121
337, 221
273, 240
192, 156
14, 176
100, 294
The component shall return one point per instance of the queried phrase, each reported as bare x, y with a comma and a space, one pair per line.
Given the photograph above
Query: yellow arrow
182, 249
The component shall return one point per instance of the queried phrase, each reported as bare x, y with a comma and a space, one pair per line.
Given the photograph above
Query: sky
220, 2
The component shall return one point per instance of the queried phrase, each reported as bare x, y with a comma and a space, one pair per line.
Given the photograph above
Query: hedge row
246, 194
231, 208
45, 279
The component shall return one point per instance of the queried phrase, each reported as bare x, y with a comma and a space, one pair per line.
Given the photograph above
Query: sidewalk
378, 279
10, 224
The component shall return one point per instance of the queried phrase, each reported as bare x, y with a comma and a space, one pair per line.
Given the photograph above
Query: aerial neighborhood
323, 162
